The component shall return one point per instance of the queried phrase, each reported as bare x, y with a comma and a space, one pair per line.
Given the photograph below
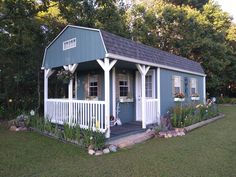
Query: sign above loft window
69, 44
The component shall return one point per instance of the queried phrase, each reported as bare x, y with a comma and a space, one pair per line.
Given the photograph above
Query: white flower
91, 137
32, 113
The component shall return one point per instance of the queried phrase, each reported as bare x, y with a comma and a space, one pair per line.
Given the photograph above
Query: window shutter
100, 86
86, 86
173, 86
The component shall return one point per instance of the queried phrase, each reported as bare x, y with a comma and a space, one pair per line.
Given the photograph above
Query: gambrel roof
97, 44
126, 47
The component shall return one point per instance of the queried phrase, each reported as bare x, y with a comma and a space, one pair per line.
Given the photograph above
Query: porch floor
126, 129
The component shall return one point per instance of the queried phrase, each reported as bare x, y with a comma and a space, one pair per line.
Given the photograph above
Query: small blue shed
116, 78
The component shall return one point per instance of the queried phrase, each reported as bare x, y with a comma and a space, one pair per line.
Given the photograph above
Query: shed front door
149, 91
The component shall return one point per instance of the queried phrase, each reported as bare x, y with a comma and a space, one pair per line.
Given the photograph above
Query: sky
229, 6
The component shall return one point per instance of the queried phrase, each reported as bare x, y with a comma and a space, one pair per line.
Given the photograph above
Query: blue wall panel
89, 47
167, 100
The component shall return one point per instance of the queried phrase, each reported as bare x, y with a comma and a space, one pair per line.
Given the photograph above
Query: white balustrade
151, 111
87, 114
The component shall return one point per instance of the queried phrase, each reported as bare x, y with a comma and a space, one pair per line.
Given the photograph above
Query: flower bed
185, 115
93, 140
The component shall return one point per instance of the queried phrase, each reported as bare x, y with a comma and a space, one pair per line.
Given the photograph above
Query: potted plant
179, 97
195, 97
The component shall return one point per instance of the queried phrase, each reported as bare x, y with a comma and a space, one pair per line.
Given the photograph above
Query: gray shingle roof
128, 48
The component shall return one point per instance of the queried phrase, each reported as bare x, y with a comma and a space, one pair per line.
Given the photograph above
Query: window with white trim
69, 44
193, 86
123, 85
177, 84
93, 85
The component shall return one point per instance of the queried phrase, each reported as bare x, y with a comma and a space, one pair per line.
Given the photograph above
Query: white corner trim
204, 89
115, 56
159, 94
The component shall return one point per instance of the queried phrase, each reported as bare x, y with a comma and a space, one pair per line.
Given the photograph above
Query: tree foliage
197, 29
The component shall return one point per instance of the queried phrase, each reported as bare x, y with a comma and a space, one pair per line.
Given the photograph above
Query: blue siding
89, 47
167, 100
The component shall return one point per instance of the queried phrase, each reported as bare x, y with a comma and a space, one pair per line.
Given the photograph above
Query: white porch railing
87, 114
152, 114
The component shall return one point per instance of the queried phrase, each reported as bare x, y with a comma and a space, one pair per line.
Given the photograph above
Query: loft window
93, 86
69, 44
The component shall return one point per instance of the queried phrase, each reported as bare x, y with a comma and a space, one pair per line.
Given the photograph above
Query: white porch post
114, 91
72, 69
106, 66
143, 71
204, 89
159, 95
47, 74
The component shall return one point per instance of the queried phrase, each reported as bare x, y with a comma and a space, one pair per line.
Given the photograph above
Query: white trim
159, 94
48, 72
114, 91
204, 89
76, 86
74, 44
110, 55
72, 68
143, 71
103, 41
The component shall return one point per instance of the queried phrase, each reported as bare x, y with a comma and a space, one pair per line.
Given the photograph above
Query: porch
91, 115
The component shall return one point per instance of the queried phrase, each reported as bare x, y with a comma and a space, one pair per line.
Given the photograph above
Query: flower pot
179, 99
194, 98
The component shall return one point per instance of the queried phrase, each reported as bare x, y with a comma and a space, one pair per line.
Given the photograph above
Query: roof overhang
119, 57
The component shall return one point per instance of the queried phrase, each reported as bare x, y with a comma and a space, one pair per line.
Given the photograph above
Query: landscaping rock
106, 151
91, 152
90, 147
97, 153
22, 129
112, 148
13, 128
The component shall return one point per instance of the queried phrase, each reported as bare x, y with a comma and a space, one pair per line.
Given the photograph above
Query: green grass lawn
206, 152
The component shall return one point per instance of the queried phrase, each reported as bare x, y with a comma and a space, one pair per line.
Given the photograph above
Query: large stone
90, 147
97, 153
112, 148
91, 152
106, 151
13, 128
